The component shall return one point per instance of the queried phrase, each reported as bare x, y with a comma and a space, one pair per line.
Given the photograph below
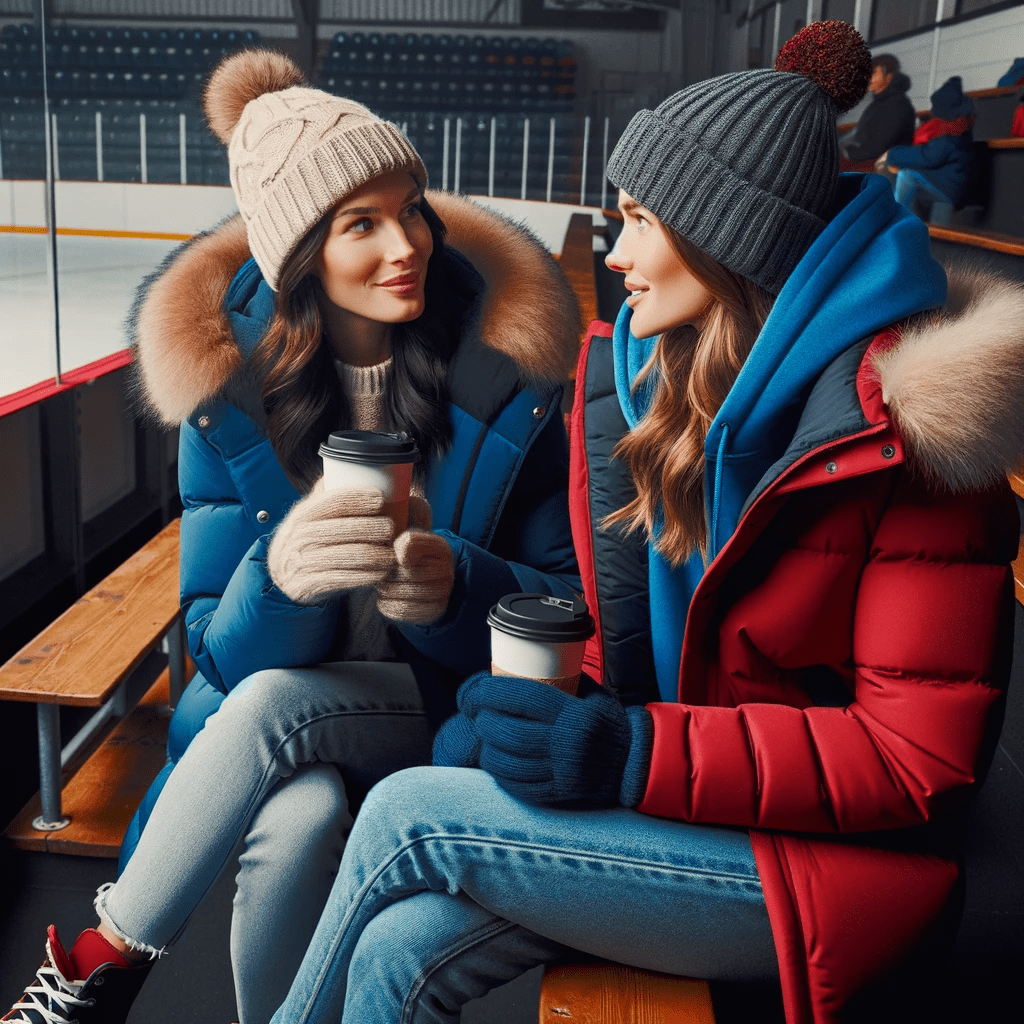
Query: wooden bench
86, 658
978, 238
577, 262
601, 992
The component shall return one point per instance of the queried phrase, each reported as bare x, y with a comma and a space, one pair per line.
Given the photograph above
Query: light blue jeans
270, 766
908, 183
450, 887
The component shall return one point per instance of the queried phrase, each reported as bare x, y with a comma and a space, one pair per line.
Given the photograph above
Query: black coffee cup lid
368, 446
544, 618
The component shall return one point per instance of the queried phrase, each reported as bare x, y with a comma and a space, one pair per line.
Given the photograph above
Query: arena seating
454, 74
105, 78
101, 80
113, 62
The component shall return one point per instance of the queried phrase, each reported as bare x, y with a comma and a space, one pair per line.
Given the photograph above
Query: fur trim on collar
186, 353
954, 383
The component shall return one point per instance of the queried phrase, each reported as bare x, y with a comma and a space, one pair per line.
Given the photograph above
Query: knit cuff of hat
638, 764
343, 162
752, 232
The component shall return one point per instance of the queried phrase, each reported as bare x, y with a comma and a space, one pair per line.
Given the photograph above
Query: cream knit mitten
330, 542
418, 588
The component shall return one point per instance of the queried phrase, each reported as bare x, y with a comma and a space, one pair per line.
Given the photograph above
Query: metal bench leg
48, 721
176, 655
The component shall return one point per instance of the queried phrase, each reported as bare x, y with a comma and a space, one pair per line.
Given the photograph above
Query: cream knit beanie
294, 152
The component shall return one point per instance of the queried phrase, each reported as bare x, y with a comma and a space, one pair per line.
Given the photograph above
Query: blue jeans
269, 766
450, 887
909, 183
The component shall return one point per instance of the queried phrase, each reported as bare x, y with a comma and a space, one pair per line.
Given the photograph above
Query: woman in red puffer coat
794, 530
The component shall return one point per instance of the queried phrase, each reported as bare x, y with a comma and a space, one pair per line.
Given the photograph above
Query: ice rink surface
97, 275
96, 282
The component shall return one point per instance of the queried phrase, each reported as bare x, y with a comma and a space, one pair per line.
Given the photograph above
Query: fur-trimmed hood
954, 382
187, 355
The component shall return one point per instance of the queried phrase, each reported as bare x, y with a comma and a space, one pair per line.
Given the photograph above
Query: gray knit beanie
294, 152
745, 166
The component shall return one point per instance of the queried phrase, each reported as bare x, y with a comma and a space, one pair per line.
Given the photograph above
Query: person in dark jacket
888, 120
937, 166
328, 649
795, 531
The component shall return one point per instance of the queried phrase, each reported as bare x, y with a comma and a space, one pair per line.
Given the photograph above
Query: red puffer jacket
868, 564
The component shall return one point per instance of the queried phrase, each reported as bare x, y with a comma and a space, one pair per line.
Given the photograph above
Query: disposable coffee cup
540, 637
365, 458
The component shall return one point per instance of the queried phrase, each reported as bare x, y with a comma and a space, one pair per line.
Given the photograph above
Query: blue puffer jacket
498, 496
945, 161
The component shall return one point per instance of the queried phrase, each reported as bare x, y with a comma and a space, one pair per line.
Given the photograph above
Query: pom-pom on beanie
745, 166
294, 152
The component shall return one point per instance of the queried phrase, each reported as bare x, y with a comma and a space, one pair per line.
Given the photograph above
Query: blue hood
871, 267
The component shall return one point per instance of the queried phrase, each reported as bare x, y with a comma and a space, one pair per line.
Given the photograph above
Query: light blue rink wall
97, 273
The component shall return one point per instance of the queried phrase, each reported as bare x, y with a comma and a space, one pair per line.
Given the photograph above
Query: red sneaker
91, 984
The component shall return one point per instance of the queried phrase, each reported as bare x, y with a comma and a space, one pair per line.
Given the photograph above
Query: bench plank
979, 238
103, 794
608, 993
577, 261
80, 658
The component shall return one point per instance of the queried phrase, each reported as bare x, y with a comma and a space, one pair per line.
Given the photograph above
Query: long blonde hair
692, 371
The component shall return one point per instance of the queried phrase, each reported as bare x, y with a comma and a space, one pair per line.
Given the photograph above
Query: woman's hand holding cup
332, 541
418, 588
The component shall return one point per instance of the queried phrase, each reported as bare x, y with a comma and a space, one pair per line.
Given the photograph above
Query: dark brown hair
692, 371
887, 62
301, 393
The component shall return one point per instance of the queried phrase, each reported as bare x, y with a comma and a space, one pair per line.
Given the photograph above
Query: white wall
118, 206
980, 51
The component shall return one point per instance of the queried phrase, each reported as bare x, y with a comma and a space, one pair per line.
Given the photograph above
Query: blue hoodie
871, 267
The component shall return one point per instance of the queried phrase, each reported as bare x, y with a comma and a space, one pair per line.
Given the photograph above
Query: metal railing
524, 156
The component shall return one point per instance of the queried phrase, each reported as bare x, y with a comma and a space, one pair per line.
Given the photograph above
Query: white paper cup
364, 458
540, 637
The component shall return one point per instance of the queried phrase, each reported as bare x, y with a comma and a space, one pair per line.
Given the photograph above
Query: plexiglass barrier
106, 163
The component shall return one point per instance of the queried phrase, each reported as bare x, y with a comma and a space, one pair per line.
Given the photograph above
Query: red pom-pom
834, 56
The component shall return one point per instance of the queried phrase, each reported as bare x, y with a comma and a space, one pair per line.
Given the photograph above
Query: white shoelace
53, 989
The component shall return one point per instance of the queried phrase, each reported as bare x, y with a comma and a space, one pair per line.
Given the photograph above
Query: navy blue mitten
457, 744
545, 746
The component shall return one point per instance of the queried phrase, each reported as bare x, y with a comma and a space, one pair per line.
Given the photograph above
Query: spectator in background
937, 166
1017, 128
888, 120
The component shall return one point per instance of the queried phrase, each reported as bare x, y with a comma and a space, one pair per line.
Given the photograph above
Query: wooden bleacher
977, 238
577, 261
86, 658
601, 992
1017, 483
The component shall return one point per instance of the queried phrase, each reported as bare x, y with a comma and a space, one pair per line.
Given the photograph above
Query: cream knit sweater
364, 637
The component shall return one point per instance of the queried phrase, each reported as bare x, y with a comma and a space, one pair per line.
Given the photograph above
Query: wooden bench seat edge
84, 654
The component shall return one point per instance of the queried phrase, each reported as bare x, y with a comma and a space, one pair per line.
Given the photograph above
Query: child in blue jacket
938, 165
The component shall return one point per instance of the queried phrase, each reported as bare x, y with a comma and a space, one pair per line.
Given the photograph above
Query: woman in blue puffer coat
328, 648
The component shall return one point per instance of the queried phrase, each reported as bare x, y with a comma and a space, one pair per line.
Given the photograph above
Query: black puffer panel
621, 561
